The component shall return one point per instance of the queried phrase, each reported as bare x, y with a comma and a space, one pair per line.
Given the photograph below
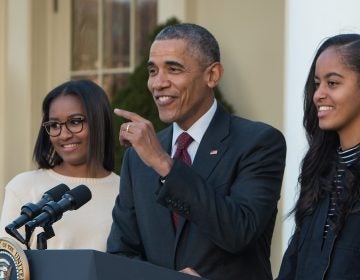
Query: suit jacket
227, 201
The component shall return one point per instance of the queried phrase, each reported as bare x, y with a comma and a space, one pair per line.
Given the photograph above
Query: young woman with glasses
75, 145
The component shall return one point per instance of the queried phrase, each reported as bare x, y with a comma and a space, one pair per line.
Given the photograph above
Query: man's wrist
164, 168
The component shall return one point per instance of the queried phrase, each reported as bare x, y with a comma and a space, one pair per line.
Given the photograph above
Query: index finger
128, 115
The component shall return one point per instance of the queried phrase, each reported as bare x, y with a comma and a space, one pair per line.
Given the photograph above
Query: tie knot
183, 141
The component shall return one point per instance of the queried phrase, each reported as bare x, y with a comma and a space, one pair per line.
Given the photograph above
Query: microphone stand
42, 237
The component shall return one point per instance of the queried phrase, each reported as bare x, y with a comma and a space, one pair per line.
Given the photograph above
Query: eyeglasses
74, 125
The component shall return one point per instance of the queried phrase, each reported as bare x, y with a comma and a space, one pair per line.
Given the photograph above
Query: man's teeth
164, 98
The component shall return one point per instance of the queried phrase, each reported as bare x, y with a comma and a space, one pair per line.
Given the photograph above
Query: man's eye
151, 71
174, 69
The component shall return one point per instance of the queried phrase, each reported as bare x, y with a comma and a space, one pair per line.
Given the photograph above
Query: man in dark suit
211, 211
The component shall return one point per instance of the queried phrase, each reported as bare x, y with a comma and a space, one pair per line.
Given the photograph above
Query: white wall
171, 8
308, 22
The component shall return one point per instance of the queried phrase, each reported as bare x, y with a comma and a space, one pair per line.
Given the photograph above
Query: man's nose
160, 81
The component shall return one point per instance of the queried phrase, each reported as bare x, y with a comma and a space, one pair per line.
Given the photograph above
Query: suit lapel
213, 144
212, 147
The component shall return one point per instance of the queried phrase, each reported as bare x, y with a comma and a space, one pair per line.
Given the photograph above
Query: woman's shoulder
28, 175
114, 176
27, 178
111, 179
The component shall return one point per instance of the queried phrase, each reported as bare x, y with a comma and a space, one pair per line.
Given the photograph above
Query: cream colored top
85, 228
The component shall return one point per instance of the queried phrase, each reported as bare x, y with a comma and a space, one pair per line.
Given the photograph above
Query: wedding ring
127, 128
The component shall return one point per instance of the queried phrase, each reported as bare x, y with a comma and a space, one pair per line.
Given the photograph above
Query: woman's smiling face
71, 147
337, 96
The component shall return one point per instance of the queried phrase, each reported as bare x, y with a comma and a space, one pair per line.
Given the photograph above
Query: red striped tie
183, 142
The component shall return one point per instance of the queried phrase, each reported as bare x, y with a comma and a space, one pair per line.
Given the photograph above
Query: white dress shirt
196, 131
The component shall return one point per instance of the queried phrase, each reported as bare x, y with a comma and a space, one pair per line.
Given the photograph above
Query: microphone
31, 210
53, 211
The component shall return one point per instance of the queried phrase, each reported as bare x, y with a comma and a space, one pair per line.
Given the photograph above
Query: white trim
124, 70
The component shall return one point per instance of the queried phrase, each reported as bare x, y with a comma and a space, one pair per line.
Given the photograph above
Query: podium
94, 265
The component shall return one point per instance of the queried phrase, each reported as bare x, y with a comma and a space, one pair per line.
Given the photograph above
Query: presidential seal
13, 262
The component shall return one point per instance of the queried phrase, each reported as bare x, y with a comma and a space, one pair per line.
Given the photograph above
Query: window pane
112, 83
101, 40
116, 33
146, 20
84, 35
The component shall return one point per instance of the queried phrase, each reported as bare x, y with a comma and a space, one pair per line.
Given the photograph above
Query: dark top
336, 257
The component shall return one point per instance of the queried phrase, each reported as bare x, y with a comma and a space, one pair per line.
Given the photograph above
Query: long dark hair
99, 119
319, 164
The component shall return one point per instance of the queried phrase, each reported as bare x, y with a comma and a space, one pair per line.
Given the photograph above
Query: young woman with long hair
326, 243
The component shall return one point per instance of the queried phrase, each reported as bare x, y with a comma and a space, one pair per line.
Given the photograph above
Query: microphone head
56, 192
78, 196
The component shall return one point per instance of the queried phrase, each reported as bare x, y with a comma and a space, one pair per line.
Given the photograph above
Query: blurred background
266, 46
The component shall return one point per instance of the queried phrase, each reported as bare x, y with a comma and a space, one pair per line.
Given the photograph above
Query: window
108, 39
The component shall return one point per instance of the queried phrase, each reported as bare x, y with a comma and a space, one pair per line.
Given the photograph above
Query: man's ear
214, 74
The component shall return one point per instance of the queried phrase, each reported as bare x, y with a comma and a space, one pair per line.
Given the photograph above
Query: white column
16, 113
3, 5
